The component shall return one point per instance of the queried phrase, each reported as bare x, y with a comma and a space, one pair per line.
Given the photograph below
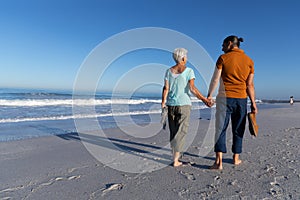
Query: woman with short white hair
178, 81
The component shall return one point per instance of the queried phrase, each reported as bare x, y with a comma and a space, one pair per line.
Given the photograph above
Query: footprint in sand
234, 182
276, 189
11, 189
270, 169
189, 176
73, 177
60, 179
110, 187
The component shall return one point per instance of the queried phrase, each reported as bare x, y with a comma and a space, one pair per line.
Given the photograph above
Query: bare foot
237, 162
177, 164
236, 159
216, 166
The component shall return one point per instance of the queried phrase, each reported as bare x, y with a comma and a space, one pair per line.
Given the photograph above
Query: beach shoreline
61, 167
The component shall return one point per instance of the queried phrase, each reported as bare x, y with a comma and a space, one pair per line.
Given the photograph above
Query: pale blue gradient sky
43, 43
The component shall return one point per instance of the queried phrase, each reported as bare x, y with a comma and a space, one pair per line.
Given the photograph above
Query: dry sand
60, 167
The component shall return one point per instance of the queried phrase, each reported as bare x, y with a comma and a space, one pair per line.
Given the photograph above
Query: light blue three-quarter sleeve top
179, 87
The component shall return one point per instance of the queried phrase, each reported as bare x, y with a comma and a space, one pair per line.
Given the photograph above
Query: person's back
179, 80
291, 100
236, 67
179, 87
236, 72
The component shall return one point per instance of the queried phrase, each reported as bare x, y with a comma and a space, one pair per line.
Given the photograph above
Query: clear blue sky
43, 43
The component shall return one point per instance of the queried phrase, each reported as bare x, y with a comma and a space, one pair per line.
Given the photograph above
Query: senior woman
178, 81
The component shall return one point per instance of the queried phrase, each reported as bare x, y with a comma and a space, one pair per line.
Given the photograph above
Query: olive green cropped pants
178, 118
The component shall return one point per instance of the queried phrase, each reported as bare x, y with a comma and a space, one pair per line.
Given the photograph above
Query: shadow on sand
155, 153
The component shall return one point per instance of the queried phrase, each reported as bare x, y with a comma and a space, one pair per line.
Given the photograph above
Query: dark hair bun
240, 39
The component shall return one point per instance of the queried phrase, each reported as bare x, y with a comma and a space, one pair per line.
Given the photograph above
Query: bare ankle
236, 159
216, 166
177, 164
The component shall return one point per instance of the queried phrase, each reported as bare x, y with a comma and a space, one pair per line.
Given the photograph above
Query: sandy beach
60, 167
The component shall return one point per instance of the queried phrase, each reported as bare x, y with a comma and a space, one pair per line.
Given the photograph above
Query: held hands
209, 102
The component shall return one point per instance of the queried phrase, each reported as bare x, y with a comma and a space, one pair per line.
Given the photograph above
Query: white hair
179, 54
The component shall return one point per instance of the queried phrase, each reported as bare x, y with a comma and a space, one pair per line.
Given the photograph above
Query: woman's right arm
164, 94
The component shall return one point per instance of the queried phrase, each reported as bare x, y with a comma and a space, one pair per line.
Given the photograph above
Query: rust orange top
236, 66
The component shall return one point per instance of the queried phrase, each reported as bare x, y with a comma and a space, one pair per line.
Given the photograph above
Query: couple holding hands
235, 72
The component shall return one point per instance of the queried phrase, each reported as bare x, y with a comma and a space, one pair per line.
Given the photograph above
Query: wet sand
60, 167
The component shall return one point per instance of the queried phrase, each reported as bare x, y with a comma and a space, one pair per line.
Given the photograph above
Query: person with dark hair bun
235, 72
234, 40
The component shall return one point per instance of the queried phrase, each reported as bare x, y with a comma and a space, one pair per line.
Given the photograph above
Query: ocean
33, 113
